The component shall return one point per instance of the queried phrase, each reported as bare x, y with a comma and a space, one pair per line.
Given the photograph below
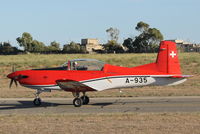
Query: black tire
37, 102
77, 102
85, 100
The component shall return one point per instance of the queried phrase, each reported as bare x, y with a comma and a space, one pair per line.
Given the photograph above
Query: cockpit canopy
84, 64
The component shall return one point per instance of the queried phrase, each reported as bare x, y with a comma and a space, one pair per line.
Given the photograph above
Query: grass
37, 61
190, 64
121, 123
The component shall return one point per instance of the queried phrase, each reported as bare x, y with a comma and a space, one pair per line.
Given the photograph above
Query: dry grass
142, 123
121, 123
190, 64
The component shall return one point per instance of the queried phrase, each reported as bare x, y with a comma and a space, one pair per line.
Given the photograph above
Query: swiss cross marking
172, 54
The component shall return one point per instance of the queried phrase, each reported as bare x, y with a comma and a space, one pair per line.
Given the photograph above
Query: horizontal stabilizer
171, 76
181, 76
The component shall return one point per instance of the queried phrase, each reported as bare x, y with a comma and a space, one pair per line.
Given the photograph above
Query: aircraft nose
17, 76
11, 75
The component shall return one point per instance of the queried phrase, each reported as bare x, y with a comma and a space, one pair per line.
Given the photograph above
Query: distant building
187, 46
91, 45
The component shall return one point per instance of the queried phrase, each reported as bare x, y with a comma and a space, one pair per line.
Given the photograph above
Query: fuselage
92, 75
109, 77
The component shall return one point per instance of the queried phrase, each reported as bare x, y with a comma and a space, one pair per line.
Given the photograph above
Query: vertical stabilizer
167, 59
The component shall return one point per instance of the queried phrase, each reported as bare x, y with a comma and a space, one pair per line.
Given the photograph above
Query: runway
101, 105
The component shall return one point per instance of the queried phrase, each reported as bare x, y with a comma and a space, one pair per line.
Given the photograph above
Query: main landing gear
79, 101
37, 101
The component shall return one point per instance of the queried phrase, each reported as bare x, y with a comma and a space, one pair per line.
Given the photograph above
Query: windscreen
86, 65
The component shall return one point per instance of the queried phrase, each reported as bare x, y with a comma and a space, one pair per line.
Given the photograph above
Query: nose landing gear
37, 101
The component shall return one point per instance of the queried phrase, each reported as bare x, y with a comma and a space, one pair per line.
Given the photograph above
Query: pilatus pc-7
87, 75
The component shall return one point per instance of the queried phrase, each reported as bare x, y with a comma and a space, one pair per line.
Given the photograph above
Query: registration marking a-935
136, 80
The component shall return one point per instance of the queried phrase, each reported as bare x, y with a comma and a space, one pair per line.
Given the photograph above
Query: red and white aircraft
84, 75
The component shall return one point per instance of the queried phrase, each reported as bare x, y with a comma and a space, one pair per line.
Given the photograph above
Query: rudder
167, 59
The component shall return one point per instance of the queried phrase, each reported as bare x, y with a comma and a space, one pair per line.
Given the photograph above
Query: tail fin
167, 59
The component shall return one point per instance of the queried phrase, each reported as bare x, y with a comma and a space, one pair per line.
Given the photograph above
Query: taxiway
101, 105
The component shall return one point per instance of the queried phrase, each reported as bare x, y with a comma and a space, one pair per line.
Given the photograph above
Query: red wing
73, 86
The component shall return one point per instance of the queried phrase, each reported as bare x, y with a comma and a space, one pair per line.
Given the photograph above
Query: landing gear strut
37, 101
85, 99
79, 101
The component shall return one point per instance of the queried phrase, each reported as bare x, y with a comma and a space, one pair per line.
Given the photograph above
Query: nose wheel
37, 101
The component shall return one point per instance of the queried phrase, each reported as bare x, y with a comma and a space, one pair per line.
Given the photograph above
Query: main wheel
85, 99
77, 102
37, 102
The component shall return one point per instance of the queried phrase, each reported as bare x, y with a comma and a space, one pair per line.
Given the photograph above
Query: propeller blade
13, 79
11, 82
13, 68
15, 83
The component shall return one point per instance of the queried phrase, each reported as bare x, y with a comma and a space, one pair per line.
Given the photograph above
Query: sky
72, 20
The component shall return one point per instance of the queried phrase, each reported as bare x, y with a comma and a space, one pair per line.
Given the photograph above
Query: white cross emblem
172, 54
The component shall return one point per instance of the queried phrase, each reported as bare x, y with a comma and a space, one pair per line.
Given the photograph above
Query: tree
34, 46
155, 36
25, 41
147, 41
37, 47
128, 43
114, 33
113, 47
142, 26
6, 48
73, 48
54, 47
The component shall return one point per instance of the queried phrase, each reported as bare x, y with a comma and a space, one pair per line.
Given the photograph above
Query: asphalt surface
101, 105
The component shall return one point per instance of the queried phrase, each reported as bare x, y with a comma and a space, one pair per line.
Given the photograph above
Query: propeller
11, 82
13, 79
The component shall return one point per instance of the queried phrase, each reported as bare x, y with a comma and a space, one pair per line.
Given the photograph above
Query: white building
187, 46
91, 45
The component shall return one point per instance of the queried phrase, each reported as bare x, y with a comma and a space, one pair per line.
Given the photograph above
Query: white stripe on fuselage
132, 81
123, 81
119, 82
